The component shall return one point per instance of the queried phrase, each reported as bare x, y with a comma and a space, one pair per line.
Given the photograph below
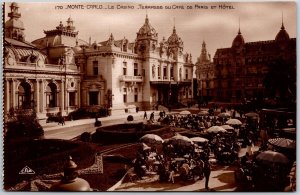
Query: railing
128, 78
52, 67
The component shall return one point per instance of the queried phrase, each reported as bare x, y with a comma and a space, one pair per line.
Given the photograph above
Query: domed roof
15, 23
77, 48
282, 35
174, 39
238, 40
147, 30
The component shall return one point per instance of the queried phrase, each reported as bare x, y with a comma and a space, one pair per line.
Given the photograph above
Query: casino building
40, 77
60, 72
125, 75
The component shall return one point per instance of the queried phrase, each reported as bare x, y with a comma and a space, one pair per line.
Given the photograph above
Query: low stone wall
127, 132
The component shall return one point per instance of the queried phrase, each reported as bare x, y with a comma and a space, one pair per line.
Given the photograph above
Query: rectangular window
124, 68
165, 72
136, 70
172, 72
158, 71
95, 67
72, 99
186, 74
124, 95
136, 97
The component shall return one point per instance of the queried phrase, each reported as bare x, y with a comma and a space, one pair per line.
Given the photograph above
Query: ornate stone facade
41, 77
262, 69
123, 75
60, 72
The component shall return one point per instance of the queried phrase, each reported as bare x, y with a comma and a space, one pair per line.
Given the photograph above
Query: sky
258, 21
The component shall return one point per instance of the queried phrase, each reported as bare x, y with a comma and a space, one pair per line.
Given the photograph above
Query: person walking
206, 171
152, 117
145, 115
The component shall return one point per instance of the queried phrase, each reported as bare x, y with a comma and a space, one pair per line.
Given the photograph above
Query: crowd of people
191, 162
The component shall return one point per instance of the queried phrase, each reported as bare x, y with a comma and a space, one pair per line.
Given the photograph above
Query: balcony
127, 78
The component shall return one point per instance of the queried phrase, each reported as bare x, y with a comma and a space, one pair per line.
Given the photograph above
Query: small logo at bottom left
26, 170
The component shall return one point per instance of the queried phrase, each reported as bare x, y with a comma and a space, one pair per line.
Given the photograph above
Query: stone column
169, 71
84, 97
42, 97
13, 92
37, 95
7, 96
78, 95
62, 97
66, 101
161, 71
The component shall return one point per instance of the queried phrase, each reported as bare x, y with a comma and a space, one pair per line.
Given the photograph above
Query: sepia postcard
141, 96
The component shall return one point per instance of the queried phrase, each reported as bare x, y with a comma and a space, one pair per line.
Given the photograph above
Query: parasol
145, 147
151, 139
199, 139
227, 127
273, 157
233, 122
203, 113
224, 115
283, 143
180, 140
185, 112
251, 115
215, 129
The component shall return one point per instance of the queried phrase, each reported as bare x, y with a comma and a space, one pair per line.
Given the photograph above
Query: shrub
80, 113
130, 118
23, 123
86, 137
98, 124
46, 156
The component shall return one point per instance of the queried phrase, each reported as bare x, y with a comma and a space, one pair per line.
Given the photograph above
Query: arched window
51, 94
24, 95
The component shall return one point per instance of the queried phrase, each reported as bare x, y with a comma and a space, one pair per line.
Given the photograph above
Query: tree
23, 123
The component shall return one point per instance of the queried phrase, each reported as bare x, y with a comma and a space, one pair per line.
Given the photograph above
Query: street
74, 128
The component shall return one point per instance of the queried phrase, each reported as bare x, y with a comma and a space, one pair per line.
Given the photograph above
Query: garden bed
46, 156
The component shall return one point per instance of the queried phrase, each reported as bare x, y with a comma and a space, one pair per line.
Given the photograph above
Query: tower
204, 56
14, 27
175, 45
146, 39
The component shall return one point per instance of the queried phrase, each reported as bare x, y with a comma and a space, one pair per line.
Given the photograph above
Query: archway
24, 95
51, 95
